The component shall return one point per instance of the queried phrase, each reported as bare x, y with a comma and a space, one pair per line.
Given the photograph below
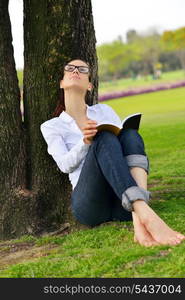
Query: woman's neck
75, 106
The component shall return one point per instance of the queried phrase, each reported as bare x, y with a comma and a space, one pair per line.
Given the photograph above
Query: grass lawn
129, 83
109, 250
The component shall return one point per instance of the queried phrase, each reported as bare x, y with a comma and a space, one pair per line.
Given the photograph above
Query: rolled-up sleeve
67, 161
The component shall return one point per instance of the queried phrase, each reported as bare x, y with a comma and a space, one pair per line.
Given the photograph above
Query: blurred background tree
174, 42
142, 54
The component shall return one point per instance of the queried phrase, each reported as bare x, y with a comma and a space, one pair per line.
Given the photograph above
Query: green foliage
109, 250
140, 54
174, 40
114, 57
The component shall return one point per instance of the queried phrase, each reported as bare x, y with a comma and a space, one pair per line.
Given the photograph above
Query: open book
132, 121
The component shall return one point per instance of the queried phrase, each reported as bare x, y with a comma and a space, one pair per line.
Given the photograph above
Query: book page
109, 127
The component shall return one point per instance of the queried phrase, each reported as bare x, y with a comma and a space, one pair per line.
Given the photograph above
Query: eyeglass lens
81, 69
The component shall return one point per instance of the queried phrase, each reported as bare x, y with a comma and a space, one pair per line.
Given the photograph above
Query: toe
146, 243
174, 241
180, 236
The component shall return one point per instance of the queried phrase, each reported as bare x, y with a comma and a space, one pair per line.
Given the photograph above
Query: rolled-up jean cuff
132, 194
138, 160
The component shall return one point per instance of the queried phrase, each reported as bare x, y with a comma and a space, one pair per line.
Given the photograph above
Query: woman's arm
67, 161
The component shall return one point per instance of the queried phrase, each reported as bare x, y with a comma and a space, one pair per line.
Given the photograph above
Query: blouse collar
67, 118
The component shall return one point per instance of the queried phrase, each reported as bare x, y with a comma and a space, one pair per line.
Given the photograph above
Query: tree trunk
12, 151
54, 32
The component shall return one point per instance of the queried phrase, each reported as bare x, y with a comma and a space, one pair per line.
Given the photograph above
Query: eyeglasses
81, 69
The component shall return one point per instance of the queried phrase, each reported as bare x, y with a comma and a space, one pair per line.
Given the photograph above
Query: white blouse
65, 139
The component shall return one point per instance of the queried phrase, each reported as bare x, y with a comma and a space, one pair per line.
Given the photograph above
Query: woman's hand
89, 131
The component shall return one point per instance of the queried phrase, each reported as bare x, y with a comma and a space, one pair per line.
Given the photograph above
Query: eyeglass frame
76, 67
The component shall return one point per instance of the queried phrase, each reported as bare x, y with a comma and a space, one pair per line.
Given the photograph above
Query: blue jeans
105, 178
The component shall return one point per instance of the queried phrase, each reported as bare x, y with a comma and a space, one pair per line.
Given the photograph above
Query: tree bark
55, 31
12, 137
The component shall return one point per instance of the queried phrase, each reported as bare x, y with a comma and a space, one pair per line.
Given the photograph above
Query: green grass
108, 250
20, 77
129, 83
162, 127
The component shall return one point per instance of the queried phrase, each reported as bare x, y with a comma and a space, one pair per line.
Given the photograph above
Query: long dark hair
61, 99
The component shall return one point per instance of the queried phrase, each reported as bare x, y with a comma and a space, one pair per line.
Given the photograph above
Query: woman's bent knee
132, 142
130, 135
104, 135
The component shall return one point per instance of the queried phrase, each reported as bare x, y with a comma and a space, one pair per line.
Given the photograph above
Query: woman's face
75, 78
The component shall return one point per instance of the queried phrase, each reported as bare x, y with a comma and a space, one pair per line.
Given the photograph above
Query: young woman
108, 173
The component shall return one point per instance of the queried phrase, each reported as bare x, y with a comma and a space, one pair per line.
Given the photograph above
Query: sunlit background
113, 19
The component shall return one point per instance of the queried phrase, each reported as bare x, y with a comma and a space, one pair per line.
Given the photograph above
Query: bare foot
141, 235
157, 228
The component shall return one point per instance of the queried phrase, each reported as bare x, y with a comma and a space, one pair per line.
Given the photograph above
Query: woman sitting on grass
108, 173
